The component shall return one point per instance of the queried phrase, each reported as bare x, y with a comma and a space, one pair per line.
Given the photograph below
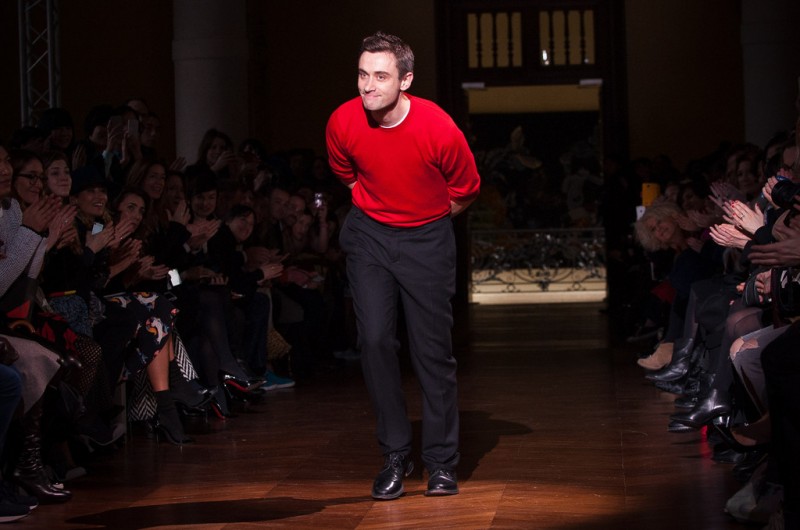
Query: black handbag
786, 292
750, 295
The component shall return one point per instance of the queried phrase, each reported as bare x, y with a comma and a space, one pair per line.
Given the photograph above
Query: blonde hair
659, 211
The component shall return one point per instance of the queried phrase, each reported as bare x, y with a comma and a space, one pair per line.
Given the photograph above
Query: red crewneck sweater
405, 176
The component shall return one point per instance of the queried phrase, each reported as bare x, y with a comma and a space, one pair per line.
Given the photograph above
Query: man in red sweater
410, 170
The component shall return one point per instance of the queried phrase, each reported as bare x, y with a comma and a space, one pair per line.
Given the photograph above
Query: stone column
771, 66
209, 52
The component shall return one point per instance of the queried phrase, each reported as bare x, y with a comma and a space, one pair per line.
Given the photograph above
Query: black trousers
415, 266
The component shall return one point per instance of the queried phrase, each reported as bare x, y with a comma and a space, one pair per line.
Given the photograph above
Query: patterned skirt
154, 315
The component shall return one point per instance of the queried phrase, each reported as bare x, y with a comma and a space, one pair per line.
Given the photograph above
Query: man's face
150, 129
379, 81
61, 137
278, 202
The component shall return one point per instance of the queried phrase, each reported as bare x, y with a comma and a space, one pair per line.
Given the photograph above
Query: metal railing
525, 261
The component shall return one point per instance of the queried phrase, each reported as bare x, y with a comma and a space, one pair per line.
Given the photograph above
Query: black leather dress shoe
712, 406
389, 482
442, 482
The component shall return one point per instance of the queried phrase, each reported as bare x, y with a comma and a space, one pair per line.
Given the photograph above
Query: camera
319, 199
784, 192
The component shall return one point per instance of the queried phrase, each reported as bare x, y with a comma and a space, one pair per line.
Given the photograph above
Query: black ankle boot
30, 473
168, 423
682, 362
683, 348
715, 404
672, 372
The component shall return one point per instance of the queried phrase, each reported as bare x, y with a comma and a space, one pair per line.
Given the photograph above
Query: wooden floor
559, 431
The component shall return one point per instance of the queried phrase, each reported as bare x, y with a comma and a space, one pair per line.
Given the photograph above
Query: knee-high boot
30, 472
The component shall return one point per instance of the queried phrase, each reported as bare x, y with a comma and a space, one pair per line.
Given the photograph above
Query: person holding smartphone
410, 170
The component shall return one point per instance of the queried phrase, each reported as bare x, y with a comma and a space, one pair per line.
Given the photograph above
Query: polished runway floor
559, 431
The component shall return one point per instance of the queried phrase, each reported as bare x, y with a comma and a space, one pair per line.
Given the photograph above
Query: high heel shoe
219, 411
241, 385
235, 398
219, 404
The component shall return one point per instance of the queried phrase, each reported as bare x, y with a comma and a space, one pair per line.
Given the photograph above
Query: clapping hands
742, 216
40, 214
181, 214
201, 231
726, 235
722, 192
60, 226
148, 271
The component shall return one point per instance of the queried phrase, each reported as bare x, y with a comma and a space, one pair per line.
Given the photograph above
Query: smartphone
133, 127
97, 228
174, 278
318, 200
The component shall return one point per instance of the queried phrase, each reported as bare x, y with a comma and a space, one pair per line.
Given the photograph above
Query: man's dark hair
382, 42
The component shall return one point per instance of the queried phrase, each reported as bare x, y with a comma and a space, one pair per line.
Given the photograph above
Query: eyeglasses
33, 177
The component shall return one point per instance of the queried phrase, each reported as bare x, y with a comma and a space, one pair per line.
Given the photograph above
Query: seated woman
23, 247
146, 274
143, 319
87, 380
206, 286
226, 256
216, 152
665, 227
747, 328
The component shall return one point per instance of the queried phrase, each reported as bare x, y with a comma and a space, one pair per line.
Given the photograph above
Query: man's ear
406, 81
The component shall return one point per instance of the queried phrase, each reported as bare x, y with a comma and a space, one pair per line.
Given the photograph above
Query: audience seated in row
729, 341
